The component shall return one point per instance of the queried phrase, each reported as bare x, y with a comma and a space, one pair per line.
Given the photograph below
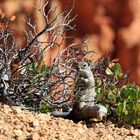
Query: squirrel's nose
78, 68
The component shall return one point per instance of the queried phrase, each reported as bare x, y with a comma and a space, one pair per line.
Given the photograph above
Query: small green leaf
108, 71
117, 70
111, 96
98, 90
43, 67
44, 108
119, 109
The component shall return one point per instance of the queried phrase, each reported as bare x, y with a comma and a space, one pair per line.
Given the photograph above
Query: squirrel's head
83, 66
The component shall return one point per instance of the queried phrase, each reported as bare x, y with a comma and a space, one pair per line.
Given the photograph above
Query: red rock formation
114, 26
110, 25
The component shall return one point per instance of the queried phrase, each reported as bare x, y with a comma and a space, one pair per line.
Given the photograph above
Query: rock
80, 130
35, 136
17, 109
18, 132
35, 123
57, 128
20, 138
135, 132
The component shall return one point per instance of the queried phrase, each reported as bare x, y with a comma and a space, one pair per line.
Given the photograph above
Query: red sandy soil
17, 124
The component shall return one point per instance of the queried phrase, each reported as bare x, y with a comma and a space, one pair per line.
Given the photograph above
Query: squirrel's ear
88, 63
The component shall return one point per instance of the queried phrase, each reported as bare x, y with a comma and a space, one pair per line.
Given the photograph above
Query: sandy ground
16, 124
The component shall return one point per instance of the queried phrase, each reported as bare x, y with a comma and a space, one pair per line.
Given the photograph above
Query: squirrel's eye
84, 65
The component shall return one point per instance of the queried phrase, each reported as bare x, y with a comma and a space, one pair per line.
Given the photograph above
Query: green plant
123, 99
44, 108
115, 70
128, 108
108, 92
34, 70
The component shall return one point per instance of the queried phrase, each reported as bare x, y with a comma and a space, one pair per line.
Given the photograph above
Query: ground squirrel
84, 107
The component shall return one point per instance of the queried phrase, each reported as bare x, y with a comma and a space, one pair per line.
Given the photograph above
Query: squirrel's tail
60, 114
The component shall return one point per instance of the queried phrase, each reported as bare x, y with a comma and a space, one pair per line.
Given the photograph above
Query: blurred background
110, 26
